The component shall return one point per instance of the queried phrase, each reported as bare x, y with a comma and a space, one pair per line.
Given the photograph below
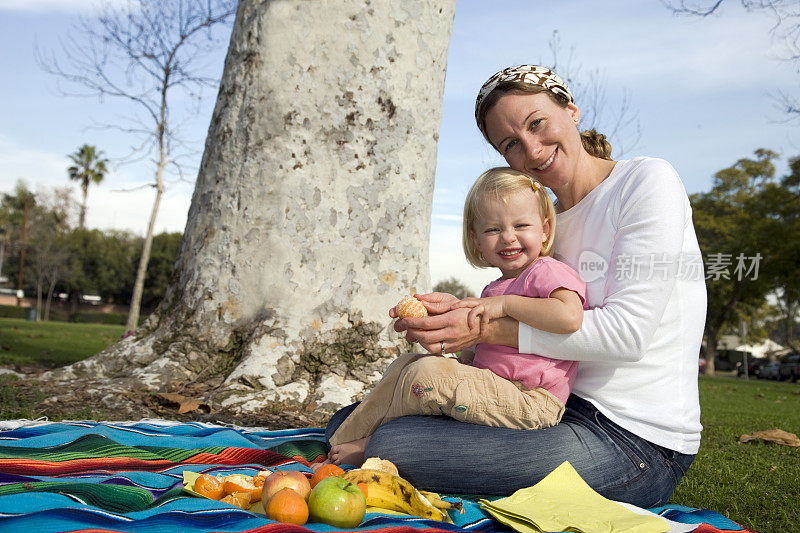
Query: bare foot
349, 453
316, 466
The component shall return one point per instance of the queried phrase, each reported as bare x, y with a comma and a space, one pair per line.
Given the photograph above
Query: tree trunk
141, 272
711, 350
50, 289
311, 212
39, 284
82, 218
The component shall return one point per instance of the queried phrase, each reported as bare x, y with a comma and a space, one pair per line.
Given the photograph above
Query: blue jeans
444, 455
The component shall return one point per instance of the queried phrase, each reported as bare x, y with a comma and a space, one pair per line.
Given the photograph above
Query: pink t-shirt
539, 280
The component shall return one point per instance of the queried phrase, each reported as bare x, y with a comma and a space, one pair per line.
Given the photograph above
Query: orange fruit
410, 307
239, 499
325, 471
238, 483
288, 507
364, 488
209, 486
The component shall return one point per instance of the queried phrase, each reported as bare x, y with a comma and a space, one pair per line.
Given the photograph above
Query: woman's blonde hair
593, 142
501, 183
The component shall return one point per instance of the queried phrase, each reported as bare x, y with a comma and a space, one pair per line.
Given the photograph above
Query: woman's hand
440, 325
482, 310
451, 328
435, 302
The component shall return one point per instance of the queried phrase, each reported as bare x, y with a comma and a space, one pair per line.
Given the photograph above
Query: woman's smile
547, 163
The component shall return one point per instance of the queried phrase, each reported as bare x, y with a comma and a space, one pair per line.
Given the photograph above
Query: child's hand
467, 356
482, 309
435, 302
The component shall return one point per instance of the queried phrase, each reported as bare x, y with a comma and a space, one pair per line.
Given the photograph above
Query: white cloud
32, 165
107, 208
447, 218
51, 6
130, 211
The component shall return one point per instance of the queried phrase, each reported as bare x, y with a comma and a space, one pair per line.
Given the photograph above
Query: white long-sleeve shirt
633, 242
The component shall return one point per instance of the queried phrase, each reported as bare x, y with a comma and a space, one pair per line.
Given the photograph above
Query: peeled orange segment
410, 307
258, 479
209, 486
241, 484
239, 499
382, 465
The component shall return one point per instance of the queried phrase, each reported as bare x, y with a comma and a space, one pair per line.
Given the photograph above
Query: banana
388, 491
439, 503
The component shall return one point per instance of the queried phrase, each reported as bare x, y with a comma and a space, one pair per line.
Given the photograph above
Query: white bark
311, 212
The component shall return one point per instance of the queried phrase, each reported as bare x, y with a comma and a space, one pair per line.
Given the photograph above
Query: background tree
50, 223
162, 265
732, 229
313, 198
454, 287
5, 234
18, 208
102, 263
89, 167
146, 51
780, 211
51, 262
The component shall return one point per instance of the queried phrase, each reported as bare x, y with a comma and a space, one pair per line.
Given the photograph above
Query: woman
632, 424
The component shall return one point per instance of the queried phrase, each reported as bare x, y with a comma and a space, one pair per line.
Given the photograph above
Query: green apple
337, 502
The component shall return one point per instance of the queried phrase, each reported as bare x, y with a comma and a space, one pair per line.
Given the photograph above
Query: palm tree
89, 167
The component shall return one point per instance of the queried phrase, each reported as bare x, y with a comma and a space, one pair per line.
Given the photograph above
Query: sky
701, 93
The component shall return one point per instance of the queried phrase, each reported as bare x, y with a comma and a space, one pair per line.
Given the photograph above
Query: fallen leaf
776, 435
185, 404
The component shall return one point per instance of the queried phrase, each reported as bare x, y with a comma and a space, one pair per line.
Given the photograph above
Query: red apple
281, 479
337, 502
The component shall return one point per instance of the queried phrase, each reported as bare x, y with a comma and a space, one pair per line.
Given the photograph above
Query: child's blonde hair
502, 182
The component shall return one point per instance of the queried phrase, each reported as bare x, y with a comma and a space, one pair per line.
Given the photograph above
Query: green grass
25, 343
755, 484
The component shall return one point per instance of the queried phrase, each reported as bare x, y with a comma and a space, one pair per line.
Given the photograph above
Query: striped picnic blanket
127, 476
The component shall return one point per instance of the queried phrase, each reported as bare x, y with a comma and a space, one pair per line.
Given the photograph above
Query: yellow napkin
563, 501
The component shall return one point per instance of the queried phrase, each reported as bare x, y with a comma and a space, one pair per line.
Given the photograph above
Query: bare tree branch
143, 52
618, 121
684, 9
785, 34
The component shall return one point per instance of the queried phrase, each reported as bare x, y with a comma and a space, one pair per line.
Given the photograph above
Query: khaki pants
425, 384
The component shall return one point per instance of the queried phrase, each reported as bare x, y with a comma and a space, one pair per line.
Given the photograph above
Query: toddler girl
509, 223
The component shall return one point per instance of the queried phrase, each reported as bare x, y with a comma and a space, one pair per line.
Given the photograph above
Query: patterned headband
529, 75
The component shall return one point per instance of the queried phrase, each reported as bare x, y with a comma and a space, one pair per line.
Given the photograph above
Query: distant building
768, 349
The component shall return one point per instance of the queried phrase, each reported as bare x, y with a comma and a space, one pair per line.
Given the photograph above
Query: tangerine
238, 483
209, 486
410, 307
325, 471
364, 488
288, 507
239, 499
